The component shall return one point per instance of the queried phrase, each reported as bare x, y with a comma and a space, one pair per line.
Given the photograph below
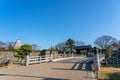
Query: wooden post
27, 60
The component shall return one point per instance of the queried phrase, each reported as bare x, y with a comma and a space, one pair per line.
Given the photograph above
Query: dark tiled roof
84, 47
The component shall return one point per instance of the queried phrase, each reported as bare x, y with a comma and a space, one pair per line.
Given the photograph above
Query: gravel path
74, 69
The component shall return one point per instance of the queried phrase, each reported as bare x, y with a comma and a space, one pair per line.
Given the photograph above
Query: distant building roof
86, 47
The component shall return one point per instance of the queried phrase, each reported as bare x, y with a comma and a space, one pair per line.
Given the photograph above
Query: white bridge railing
39, 59
96, 61
47, 58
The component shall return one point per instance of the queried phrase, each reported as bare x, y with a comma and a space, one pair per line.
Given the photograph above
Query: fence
39, 59
47, 58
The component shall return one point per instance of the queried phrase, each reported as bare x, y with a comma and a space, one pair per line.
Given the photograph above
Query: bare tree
79, 43
2, 45
35, 47
11, 45
116, 45
104, 41
61, 46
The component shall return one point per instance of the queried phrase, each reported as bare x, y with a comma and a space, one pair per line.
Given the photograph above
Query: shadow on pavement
61, 68
80, 64
87, 66
76, 60
54, 79
44, 78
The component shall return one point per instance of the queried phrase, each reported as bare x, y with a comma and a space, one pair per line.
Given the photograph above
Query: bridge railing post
40, 59
51, 57
96, 61
27, 60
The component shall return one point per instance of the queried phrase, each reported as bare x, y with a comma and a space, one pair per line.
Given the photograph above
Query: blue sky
48, 22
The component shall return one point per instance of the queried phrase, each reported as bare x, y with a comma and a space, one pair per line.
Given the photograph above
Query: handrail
46, 58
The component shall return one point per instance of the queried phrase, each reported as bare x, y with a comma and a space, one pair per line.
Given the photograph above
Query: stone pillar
51, 56
98, 62
27, 60
97, 65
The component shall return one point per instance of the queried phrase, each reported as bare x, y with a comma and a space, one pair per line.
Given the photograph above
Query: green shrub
22, 52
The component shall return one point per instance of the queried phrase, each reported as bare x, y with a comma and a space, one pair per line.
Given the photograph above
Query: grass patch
109, 73
114, 76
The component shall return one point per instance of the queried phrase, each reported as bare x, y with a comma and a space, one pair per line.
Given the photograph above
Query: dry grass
11, 66
108, 72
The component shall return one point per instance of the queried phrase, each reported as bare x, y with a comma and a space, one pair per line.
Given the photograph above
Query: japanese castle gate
87, 48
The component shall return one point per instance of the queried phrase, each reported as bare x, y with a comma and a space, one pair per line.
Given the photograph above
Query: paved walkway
73, 69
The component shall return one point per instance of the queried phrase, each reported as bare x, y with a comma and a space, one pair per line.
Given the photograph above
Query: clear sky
48, 22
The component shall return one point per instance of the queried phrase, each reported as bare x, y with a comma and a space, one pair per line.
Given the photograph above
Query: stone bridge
70, 69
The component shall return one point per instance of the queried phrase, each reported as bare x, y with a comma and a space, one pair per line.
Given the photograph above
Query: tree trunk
106, 60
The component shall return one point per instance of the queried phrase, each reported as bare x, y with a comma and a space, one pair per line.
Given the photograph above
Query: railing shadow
55, 79
44, 78
87, 66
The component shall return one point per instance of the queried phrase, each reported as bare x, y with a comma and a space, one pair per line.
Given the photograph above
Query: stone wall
35, 53
47, 52
10, 54
5, 55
